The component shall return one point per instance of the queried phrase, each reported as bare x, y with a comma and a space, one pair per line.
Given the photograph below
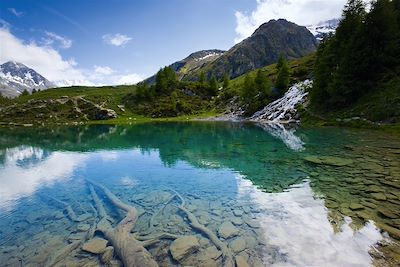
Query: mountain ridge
16, 77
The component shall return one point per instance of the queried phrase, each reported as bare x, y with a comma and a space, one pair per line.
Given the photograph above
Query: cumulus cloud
52, 38
302, 12
103, 70
103, 75
16, 12
44, 59
48, 62
132, 78
116, 39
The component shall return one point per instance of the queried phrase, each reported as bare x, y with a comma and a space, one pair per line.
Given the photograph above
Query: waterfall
284, 108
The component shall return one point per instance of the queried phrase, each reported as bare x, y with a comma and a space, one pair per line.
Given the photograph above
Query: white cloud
103, 70
104, 75
15, 12
302, 12
48, 62
51, 38
116, 39
44, 59
132, 78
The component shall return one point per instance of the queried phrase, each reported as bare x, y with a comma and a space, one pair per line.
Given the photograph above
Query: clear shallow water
275, 197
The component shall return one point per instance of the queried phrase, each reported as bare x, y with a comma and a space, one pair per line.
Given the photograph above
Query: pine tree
225, 81
282, 80
262, 86
213, 86
202, 78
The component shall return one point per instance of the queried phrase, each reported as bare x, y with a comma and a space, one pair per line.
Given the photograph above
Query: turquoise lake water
274, 196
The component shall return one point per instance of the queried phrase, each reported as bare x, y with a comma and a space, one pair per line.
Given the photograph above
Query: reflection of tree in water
367, 189
243, 148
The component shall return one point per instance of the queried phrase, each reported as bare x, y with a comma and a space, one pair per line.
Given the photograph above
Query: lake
199, 194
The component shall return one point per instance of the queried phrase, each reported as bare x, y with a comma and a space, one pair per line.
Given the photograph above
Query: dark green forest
362, 56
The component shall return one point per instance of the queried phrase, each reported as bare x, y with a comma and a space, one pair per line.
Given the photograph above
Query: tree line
362, 54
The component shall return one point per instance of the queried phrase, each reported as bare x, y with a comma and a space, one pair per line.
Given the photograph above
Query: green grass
300, 69
381, 105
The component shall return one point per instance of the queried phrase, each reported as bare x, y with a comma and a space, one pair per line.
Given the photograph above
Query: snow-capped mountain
16, 77
324, 27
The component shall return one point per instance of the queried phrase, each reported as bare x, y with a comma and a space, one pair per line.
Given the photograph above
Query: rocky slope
192, 63
262, 48
62, 109
16, 77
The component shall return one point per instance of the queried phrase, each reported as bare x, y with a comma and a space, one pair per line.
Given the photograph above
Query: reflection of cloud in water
108, 156
286, 135
298, 225
20, 181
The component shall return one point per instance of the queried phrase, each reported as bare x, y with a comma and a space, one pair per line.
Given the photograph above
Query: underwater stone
227, 230
107, 255
252, 223
390, 183
246, 209
238, 245
387, 213
374, 189
237, 213
393, 232
212, 252
83, 227
183, 246
58, 215
328, 160
241, 262
378, 196
236, 221
356, 206
84, 217
95, 246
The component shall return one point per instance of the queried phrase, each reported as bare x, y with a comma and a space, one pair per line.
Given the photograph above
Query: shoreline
393, 129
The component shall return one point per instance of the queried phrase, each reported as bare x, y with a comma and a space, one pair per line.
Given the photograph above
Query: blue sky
121, 41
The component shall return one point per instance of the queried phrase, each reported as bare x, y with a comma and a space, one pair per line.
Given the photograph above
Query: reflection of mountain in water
244, 148
366, 190
25, 156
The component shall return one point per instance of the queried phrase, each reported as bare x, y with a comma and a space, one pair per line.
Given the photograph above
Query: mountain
192, 63
262, 48
323, 28
16, 77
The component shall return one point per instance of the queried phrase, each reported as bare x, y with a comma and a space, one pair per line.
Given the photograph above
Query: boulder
356, 206
107, 255
238, 245
95, 246
328, 160
241, 262
227, 230
184, 246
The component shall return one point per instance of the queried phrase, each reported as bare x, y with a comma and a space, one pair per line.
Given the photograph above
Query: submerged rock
252, 223
241, 262
356, 206
328, 160
227, 230
95, 246
238, 245
184, 246
379, 196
